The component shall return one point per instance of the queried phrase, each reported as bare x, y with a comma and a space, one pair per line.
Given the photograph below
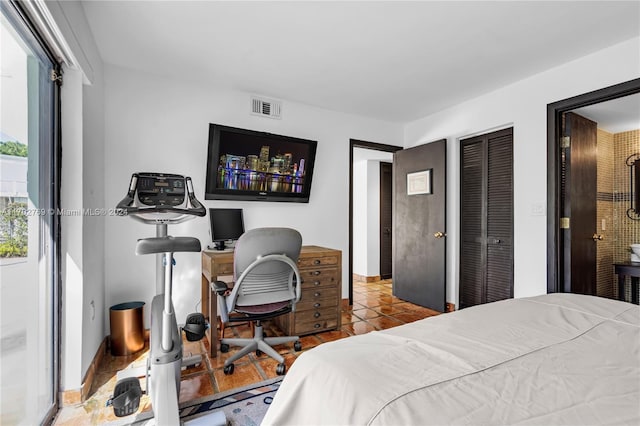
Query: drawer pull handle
316, 315
316, 272
316, 262
316, 283
316, 305
316, 325
316, 294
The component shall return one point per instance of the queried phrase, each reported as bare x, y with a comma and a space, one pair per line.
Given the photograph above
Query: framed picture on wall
419, 182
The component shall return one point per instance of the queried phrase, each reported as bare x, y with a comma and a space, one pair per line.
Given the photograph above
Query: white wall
157, 124
373, 218
359, 213
366, 210
522, 105
82, 184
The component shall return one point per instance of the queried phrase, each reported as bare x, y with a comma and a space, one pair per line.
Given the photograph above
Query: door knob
598, 237
439, 234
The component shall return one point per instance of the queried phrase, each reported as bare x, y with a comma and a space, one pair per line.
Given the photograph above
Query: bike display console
160, 198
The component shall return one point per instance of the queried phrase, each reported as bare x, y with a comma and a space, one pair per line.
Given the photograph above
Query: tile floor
374, 308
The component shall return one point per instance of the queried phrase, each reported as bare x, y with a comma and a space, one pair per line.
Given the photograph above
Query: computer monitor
226, 225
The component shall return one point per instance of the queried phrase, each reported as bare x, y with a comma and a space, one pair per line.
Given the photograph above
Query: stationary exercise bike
162, 199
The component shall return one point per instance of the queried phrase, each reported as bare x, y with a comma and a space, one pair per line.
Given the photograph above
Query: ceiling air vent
266, 107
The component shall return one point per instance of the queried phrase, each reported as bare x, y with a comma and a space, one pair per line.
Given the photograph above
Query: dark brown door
486, 218
419, 212
579, 172
386, 207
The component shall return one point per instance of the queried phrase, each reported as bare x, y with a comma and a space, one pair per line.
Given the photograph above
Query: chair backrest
265, 267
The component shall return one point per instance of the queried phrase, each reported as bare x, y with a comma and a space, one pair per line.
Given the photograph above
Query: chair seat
262, 309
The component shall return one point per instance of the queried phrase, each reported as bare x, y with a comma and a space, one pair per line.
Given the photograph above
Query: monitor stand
219, 245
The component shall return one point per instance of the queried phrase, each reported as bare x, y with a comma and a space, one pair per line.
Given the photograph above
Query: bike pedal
195, 327
126, 397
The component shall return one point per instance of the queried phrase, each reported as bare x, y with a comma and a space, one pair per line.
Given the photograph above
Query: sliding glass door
28, 228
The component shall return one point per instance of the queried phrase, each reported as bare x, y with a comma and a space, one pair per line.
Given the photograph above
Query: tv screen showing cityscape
250, 165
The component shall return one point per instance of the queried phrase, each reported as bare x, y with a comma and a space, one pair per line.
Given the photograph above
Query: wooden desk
632, 270
318, 309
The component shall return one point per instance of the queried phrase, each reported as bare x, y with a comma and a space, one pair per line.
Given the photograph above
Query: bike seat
167, 244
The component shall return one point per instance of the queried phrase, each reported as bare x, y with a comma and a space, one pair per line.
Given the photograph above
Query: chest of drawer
320, 282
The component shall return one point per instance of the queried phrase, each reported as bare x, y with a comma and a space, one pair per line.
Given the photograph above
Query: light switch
537, 209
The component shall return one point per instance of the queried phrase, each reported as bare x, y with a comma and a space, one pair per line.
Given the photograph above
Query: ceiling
618, 115
393, 61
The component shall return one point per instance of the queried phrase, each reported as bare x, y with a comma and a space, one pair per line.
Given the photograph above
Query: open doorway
589, 189
365, 227
617, 127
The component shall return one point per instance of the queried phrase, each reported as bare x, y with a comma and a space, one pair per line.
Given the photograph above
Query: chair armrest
220, 287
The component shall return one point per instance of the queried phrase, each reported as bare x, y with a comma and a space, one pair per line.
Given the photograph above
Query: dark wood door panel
580, 204
418, 256
386, 223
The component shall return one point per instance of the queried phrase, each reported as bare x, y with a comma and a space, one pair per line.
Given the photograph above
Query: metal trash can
127, 328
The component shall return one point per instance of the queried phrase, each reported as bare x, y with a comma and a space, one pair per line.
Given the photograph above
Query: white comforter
548, 360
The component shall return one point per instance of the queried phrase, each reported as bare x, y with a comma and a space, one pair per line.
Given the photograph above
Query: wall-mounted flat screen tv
257, 166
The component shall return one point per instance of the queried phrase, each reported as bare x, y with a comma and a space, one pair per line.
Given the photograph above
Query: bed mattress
548, 360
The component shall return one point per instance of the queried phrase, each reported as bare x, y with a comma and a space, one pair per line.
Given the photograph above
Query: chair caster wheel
281, 369
228, 369
224, 348
297, 346
258, 352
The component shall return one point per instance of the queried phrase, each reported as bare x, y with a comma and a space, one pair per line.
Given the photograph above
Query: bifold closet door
472, 225
486, 218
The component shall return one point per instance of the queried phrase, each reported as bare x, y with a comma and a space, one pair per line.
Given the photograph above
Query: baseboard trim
78, 396
365, 279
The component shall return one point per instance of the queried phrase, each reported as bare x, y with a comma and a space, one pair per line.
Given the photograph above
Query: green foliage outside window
14, 148
13, 230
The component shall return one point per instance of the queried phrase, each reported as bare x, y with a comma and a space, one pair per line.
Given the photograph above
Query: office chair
267, 284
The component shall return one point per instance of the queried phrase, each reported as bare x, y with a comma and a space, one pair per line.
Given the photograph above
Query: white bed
549, 360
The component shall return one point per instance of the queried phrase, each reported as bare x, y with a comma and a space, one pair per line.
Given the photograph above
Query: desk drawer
301, 328
223, 269
319, 278
316, 314
316, 261
317, 294
316, 303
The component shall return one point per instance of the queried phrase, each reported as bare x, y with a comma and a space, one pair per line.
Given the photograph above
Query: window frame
49, 167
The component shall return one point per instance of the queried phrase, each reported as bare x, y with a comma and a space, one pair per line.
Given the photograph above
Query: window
28, 227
